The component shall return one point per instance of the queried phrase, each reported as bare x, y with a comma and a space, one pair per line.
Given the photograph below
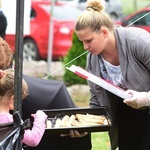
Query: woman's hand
75, 133
138, 99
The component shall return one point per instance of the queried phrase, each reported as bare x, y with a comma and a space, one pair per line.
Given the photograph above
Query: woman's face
94, 42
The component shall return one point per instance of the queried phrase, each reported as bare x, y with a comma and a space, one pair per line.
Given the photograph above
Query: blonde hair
94, 17
6, 55
7, 79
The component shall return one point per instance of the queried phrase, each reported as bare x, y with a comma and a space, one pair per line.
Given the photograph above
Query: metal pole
19, 55
50, 40
135, 5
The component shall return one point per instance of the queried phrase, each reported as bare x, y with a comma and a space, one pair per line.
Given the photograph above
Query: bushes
76, 50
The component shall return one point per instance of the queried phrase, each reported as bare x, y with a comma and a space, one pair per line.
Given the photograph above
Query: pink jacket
31, 137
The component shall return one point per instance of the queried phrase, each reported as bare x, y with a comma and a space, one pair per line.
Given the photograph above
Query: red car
140, 18
37, 42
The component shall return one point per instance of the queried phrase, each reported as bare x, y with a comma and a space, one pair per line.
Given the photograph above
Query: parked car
35, 44
140, 18
113, 7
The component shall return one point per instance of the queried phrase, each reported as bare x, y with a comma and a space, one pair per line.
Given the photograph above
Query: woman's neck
110, 53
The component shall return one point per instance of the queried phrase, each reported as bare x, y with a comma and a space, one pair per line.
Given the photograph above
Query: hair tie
92, 8
89, 7
2, 74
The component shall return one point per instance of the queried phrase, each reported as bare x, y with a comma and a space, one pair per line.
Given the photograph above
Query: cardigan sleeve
143, 49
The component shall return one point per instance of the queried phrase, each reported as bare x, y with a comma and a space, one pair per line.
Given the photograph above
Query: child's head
7, 90
6, 55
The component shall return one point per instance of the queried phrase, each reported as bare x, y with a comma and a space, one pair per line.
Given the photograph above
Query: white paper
101, 82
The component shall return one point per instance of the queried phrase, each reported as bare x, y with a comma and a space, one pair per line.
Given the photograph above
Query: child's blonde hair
7, 79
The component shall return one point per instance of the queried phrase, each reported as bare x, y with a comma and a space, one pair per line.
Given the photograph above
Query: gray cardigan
133, 46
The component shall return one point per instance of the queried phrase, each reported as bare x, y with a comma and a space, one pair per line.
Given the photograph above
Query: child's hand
33, 115
39, 114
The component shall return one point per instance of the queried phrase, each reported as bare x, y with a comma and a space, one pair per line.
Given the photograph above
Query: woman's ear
104, 31
11, 102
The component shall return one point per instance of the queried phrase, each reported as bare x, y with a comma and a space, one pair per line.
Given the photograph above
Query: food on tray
80, 120
64, 121
48, 124
76, 123
90, 119
58, 122
70, 121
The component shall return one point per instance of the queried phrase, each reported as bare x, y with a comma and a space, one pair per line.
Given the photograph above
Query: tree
76, 50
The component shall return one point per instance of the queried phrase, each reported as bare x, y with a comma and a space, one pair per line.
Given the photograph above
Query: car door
141, 20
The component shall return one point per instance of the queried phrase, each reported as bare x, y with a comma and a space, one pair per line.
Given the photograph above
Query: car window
142, 21
80, 1
147, 19
33, 14
65, 12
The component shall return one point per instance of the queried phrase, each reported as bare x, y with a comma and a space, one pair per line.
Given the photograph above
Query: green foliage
133, 5
76, 50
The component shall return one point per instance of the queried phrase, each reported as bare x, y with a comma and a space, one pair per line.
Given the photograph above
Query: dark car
140, 18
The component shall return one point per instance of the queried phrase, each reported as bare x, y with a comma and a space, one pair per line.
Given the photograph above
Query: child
31, 137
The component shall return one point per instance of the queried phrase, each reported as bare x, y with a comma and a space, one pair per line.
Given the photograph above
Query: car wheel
113, 16
30, 50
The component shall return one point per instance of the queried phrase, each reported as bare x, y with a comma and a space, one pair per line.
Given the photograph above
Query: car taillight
64, 30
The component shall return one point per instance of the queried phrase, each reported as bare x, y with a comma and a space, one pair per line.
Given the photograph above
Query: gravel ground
39, 69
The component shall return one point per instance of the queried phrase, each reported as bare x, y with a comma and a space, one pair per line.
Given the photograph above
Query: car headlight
64, 30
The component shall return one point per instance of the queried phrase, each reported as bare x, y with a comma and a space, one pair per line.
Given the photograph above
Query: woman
121, 56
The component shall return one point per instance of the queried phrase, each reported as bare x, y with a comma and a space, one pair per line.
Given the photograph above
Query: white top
114, 72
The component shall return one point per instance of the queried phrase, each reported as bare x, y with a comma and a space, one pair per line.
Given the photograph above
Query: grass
100, 141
